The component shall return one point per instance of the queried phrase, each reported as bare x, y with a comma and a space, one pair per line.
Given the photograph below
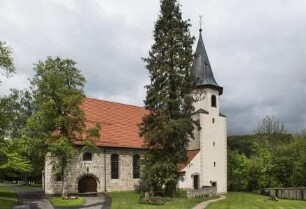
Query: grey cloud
256, 49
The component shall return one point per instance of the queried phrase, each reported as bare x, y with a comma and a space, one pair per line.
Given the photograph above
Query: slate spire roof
202, 69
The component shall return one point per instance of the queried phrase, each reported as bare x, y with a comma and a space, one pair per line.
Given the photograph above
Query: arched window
114, 166
213, 101
87, 156
136, 166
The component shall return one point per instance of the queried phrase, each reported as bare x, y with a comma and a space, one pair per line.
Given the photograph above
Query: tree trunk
170, 189
64, 190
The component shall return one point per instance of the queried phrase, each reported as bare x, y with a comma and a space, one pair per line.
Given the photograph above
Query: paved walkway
34, 198
203, 205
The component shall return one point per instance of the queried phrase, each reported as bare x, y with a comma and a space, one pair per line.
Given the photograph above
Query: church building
116, 167
207, 155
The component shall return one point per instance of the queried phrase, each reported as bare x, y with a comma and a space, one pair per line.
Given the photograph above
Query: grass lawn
240, 200
129, 200
7, 198
59, 202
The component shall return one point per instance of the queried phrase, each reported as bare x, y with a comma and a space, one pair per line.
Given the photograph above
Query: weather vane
201, 16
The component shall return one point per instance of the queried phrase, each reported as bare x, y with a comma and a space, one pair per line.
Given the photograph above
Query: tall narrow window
213, 101
136, 167
87, 156
214, 164
114, 166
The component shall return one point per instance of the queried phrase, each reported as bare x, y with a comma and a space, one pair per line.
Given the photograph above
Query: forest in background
271, 157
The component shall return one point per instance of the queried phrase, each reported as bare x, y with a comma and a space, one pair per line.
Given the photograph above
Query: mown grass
60, 202
239, 200
8, 198
129, 200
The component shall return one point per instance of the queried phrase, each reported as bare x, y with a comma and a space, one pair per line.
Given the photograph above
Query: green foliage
60, 202
15, 109
15, 164
6, 60
58, 90
240, 200
289, 160
58, 122
243, 144
238, 171
154, 200
169, 125
275, 159
130, 200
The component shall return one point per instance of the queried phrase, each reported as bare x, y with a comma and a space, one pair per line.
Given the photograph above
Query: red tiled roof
119, 122
190, 155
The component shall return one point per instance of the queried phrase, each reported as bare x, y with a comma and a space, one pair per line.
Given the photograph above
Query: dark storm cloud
256, 49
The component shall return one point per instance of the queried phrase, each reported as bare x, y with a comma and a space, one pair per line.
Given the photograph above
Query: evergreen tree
168, 126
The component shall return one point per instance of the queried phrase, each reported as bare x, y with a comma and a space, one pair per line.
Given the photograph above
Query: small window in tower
214, 143
213, 101
214, 164
87, 156
213, 120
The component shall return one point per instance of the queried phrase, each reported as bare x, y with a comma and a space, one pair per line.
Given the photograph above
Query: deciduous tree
6, 60
58, 121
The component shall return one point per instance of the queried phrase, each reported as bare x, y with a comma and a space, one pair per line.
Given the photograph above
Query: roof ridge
102, 100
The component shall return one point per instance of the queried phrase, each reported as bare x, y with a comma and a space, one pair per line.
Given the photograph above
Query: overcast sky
257, 50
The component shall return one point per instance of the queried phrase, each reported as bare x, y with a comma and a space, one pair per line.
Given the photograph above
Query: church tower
212, 138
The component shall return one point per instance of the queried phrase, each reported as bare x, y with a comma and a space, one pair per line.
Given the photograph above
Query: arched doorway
87, 184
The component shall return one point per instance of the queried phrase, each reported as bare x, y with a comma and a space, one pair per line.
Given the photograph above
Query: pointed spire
201, 66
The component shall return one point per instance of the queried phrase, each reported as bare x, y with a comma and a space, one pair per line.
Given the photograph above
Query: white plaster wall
206, 102
210, 154
192, 168
212, 133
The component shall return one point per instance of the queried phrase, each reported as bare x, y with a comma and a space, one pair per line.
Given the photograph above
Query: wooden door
87, 184
196, 181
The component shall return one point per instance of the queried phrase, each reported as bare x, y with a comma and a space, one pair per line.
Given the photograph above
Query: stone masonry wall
295, 193
205, 191
78, 168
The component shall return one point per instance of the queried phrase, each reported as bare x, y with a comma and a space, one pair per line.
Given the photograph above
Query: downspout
104, 169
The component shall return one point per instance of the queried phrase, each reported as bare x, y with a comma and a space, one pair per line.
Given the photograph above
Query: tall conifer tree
168, 126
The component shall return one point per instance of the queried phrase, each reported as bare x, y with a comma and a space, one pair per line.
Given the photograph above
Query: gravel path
203, 205
34, 198
30, 198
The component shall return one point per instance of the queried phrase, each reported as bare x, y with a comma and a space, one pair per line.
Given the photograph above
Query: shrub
154, 200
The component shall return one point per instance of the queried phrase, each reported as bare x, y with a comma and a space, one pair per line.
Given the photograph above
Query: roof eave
218, 88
